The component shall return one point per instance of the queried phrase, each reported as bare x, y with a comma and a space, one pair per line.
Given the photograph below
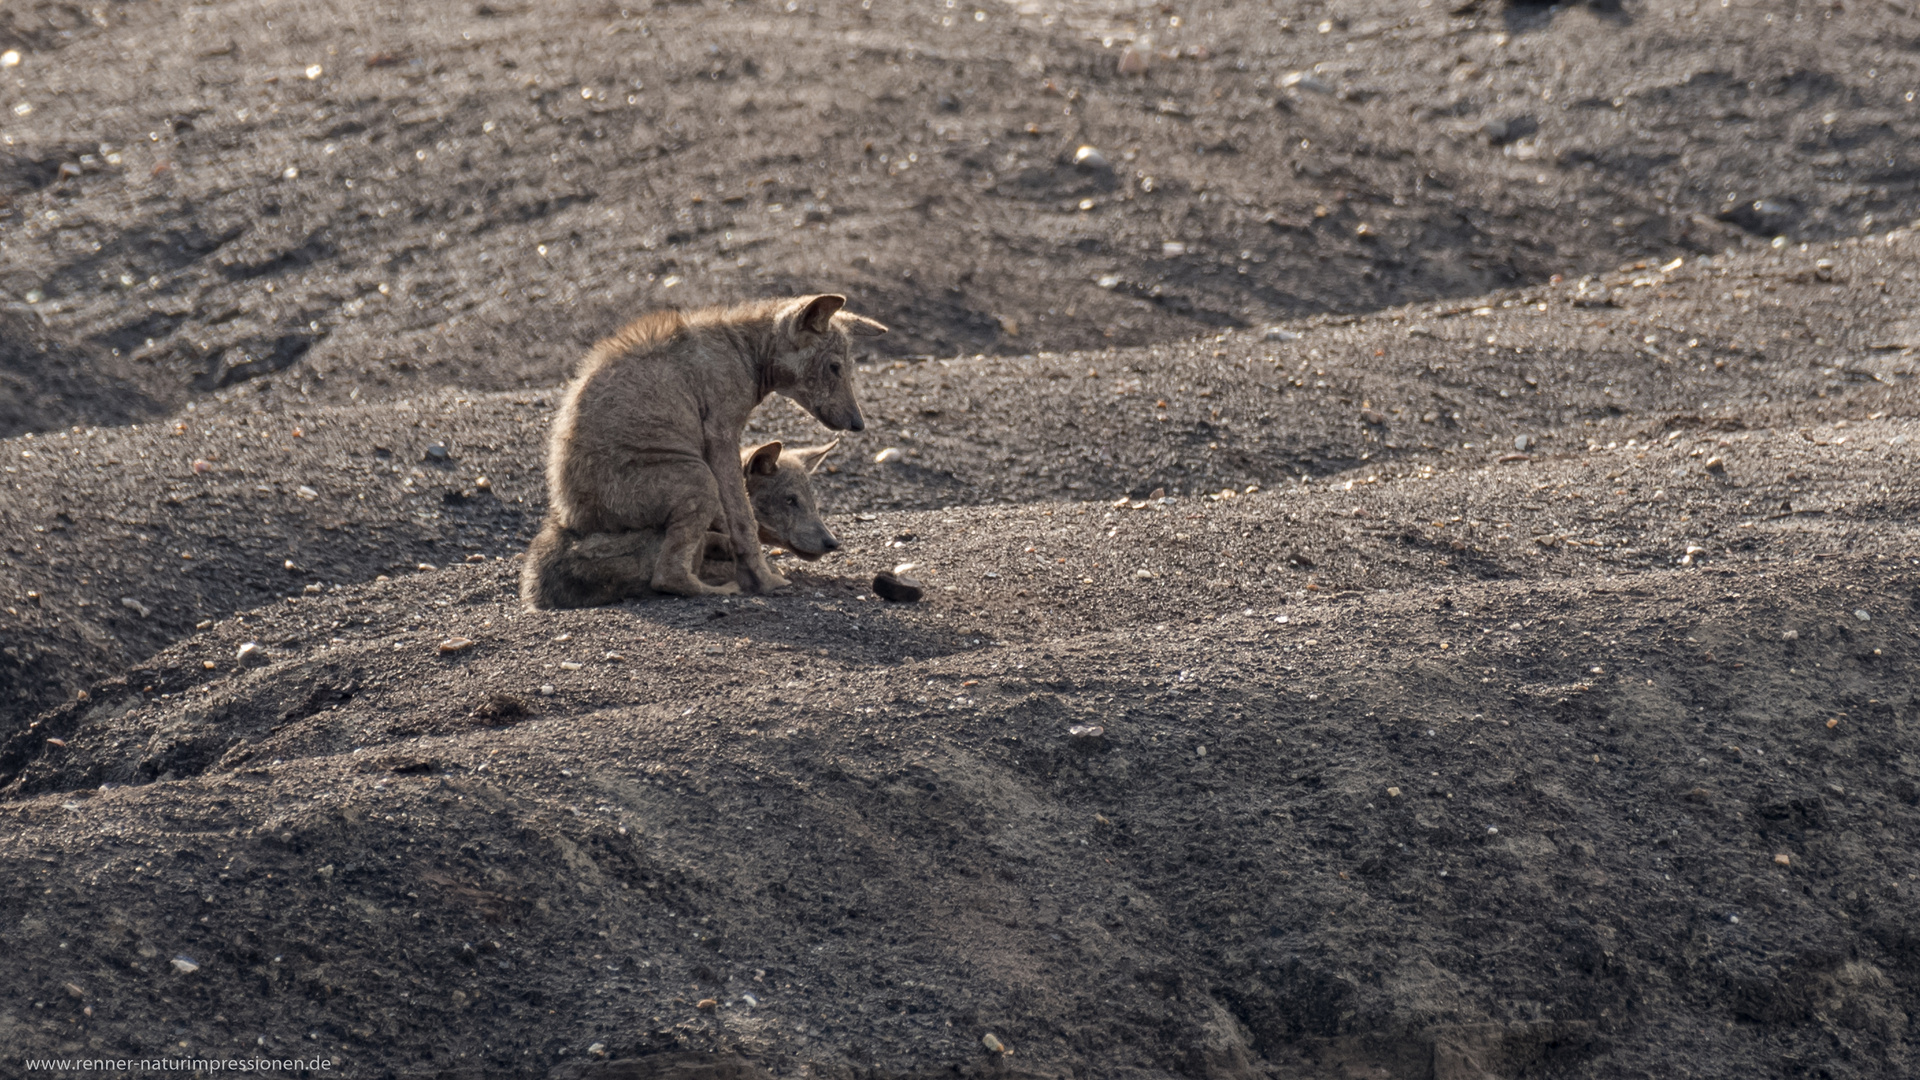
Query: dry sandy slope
468, 197
897, 854
877, 822
104, 514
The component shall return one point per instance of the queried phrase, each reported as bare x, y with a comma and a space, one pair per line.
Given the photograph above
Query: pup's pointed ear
817, 316
813, 456
860, 325
762, 460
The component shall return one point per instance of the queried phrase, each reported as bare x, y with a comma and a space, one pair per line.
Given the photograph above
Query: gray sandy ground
1478, 645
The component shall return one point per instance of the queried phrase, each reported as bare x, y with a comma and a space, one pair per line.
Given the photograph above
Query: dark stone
899, 590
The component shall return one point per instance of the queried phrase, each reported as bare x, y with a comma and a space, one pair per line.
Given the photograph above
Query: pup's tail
543, 581
568, 569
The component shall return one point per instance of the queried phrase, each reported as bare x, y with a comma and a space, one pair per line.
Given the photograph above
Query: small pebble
993, 1043
437, 451
1393, 793
546, 690
1275, 333
890, 454
201, 465
184, 966
570, 665
455, 644
1783, 860
1133, 61
1863, 615
483, 484
1091, 159
1717, 466
1086, 731
899, 590
306, 492
1523, 443
135, 606
1373, 416
1301, 80
252, 654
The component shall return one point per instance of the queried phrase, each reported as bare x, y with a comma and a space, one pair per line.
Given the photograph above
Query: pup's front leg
723, 457
694, 505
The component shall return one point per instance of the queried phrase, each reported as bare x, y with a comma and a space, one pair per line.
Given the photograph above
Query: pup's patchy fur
646, 435
568, 569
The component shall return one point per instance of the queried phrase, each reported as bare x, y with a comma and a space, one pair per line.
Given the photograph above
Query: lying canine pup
646, 437
568, 569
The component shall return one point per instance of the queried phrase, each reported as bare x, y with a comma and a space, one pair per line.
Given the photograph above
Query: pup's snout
859, 423
816, 545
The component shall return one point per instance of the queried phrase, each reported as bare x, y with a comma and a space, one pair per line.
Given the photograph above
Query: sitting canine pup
647, 436
567, 569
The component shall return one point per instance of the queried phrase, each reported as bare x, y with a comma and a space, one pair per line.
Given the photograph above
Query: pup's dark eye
835, 366
791, 501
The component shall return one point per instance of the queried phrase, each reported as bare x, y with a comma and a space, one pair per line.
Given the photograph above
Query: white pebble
1090, 159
